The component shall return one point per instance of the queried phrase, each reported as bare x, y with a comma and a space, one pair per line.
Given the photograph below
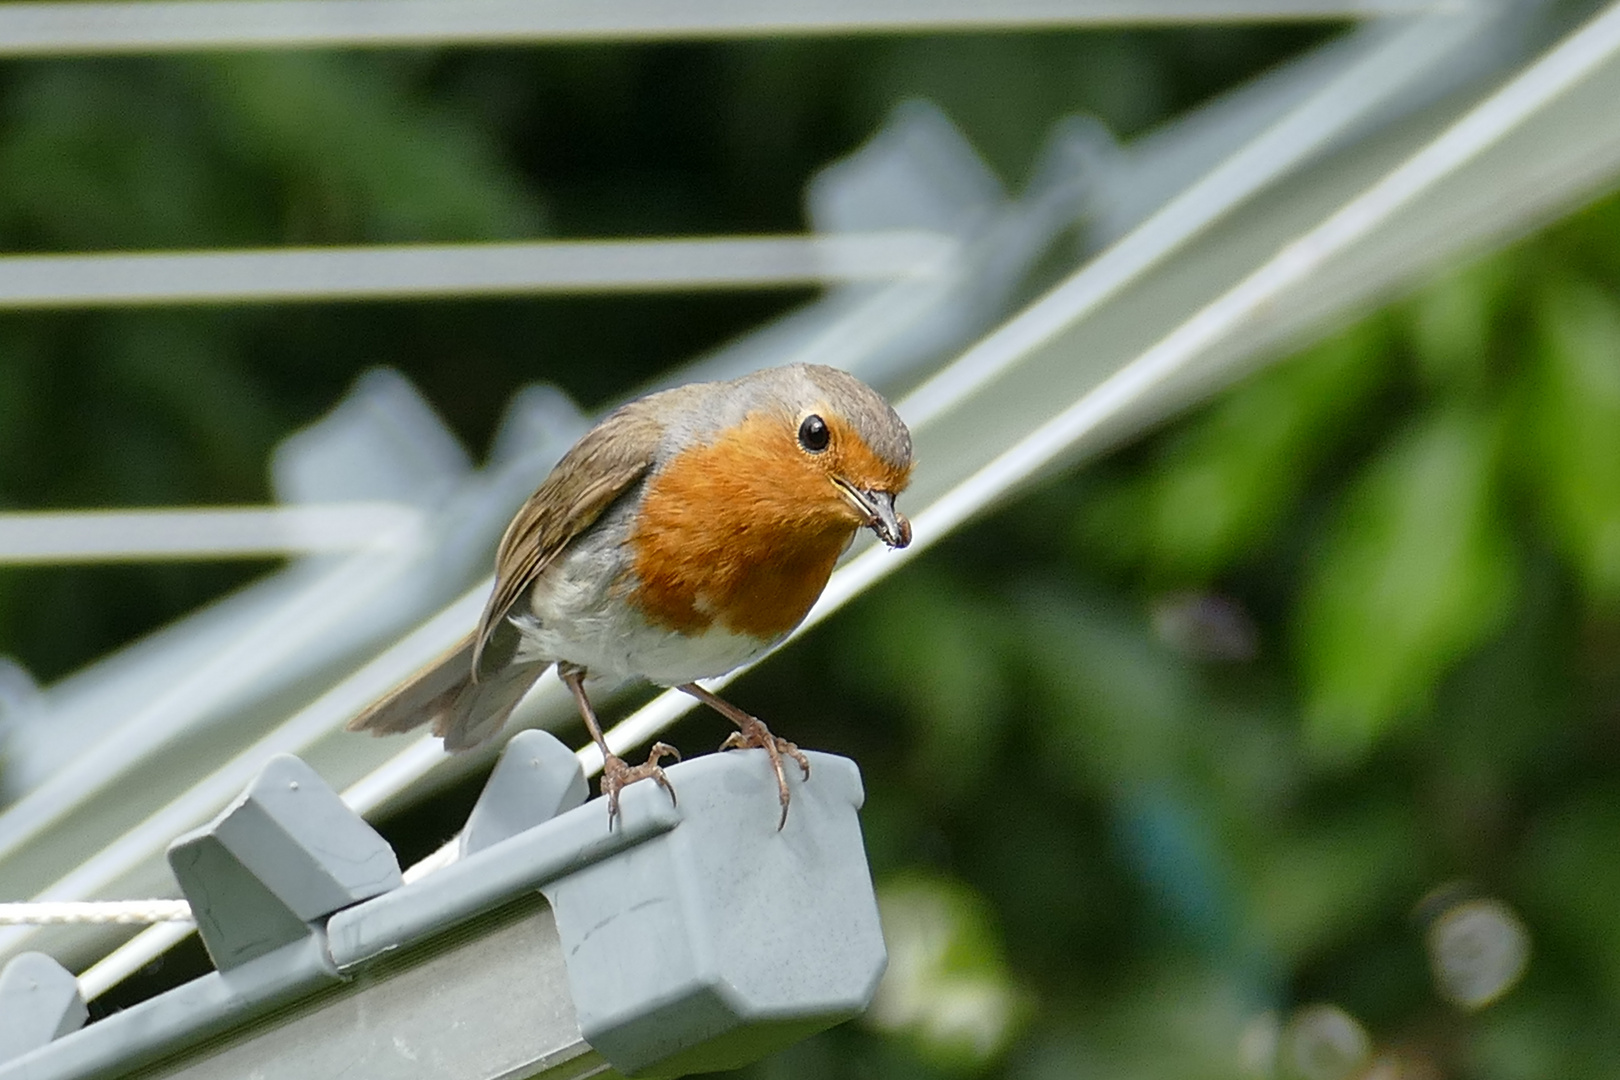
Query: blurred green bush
1310, 697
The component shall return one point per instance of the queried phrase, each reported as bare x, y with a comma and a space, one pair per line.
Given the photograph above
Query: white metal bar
173, 25
131, 957
419, 270
1316, 121
77, 536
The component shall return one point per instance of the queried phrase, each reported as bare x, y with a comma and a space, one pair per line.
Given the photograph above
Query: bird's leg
615, 773
751, 731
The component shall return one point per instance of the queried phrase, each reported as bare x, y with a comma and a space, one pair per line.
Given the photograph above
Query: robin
683, 536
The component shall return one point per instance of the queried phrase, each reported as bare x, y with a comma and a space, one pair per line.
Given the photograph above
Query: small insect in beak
877, 507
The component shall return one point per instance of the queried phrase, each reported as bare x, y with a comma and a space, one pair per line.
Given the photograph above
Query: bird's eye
813, 434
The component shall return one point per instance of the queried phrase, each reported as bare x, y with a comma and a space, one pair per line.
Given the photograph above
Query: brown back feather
603, 465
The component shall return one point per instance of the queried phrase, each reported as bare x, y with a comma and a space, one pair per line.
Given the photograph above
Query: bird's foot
754, 733
616, 775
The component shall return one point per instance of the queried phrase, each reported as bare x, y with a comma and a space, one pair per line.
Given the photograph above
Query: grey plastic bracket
284, 854
486, 880
39, 1001
536, 779
695, 935
203, 1008
686, 938
713, 944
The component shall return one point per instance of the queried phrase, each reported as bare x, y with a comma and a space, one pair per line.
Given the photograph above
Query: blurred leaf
246, 149
1415, 572
112, 155
947, 985
1223, 485
1571, 429
1453, 322
1174, 847
221, 420
942, 650
1120, 726
1498, 710
22, 406
353, 157
1153, 1021
1318, 884
1110, 525
1560, 1034
1570, 880
1118, 701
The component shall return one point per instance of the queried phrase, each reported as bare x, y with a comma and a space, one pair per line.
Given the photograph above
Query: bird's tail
462, 711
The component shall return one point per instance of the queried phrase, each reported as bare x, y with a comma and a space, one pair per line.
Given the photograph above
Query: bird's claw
754, 734
616, 775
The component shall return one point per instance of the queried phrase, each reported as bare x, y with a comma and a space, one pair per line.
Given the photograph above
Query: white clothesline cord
55, 912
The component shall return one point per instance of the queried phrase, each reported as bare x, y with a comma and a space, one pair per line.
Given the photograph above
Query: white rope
54, 912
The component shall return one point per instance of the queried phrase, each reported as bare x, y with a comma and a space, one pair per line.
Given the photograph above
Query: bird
685, 535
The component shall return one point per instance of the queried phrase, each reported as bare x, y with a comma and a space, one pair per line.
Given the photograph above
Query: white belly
615, 647
576, 614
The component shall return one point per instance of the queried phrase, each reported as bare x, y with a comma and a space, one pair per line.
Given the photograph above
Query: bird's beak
877, 507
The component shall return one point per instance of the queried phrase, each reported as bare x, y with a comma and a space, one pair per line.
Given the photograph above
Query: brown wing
599, 468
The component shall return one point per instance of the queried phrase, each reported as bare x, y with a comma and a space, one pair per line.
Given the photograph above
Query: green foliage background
1166, 749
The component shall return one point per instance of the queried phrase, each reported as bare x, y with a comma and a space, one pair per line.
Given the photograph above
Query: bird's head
850, 448
803, 453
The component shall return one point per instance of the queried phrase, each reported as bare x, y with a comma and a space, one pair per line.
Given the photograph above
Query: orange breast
743, 532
